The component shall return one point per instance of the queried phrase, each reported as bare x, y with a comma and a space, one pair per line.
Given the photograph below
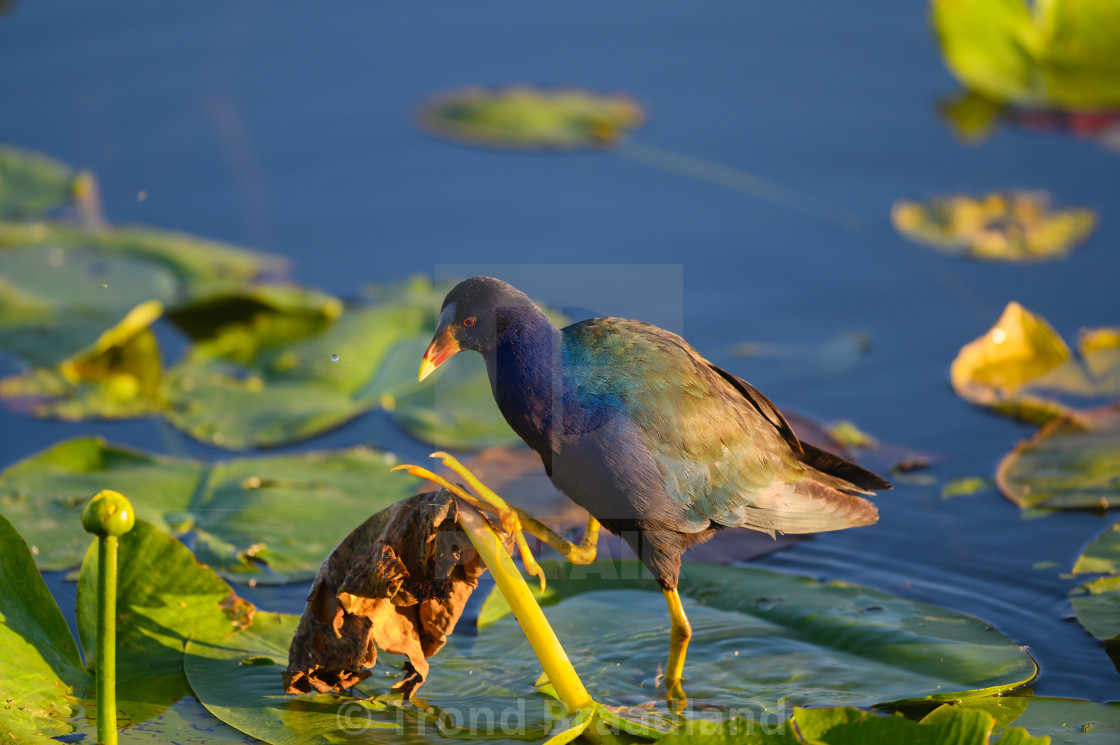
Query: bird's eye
468, 322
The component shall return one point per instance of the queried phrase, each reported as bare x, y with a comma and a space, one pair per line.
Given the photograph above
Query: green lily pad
44, 678
1021, 367
276, 380
1066, 721
267, 519
857, 646
1057, 54
163, 596
61, 287
798, 641
467, 697
1019, 226
528, 118
1097, 602
117, 377
1072, 462
1102, 556
31, 184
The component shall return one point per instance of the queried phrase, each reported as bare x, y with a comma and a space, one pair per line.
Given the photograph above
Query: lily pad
163, 596
1060, 54
1021, 367
1019, 226
61, 287
32, 184
267, 519
44, 678
253, 384
528, 118
803, 642
1072, 462
1097, 602
117, 377
468, 696
1066, 721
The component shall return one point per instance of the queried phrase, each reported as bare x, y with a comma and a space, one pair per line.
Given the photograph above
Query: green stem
107, 639
557, 666
107, 515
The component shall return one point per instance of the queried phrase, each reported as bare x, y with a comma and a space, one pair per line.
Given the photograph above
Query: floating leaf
965, 485
252, 384
527, 118
238, 514
1102, 556
117, 377
858, 646
1021, 365
61, 288
1097, 602
31, 184
163, 596
1066, 721
44, 677
1016, 226
1072, 462
283, 391
799, 641
467, 697
1054, 55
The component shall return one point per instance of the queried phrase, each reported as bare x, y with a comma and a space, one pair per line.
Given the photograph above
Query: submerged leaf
1021, 365
32, 184
528, 118
1014, 226
1072, 462
237, 514
398, 583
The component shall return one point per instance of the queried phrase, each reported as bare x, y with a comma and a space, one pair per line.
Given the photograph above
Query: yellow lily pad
528, 118
1018, 226
1056, 55
1020, 366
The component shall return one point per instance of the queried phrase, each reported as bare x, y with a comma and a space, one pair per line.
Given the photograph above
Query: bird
659, 445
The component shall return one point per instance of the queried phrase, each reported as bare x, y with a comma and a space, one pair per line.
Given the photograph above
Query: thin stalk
557, 666
107, 515
107, 640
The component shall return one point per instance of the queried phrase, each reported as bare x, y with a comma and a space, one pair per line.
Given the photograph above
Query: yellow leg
678, 645
514, 520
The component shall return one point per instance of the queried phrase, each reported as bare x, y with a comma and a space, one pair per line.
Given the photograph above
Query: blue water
288, 128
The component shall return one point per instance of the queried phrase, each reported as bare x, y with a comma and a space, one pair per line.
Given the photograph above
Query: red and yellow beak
443, 347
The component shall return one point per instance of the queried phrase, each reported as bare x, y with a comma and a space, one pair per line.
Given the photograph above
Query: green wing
725, 453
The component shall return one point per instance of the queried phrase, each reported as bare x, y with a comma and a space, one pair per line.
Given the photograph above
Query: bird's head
470, 319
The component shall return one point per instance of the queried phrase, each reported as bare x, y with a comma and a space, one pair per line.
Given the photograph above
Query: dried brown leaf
399, 582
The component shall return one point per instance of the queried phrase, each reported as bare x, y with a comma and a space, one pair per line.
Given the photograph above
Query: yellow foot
487, 498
